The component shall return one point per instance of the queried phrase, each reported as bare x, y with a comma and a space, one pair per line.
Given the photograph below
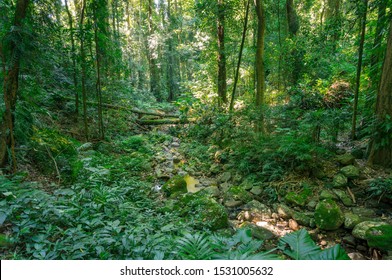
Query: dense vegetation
196, 129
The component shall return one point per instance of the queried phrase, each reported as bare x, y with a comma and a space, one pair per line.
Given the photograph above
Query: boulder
360, 229
350, 171
260, 233
327, 194
345, 159
304, 219
339, 181
328, 215
298, 199
176, 184
258, 209
284, 211
238, 193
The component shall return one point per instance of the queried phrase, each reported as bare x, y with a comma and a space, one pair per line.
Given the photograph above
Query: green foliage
380, 187
300, 246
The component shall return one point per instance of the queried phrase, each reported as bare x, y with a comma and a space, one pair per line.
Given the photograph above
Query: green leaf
3, 217
334, 253
298, 245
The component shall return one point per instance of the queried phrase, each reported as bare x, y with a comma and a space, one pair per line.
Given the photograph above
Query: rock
303, 218
327, 194
356, 256
215, 168
351, 220
213, 191
323, 243
226, 176
233, 203
204, 211
85, 147
238, 193
312, 204
176, 160
345, 159
349, 239
258, 208
225, 187
175, 144
257, 190
380, 237
339, 180
260, 233
298, 199
328, 215
350, 171
344, 197
176, 184
293, 225
360, 229
284, 211
364, 212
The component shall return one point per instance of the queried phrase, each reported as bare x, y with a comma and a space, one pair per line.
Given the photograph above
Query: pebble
323, 243
293, 224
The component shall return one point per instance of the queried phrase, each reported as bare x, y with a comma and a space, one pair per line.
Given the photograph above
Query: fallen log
133, 110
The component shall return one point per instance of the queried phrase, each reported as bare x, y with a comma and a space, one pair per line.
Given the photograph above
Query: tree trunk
10, 89
222, 84
376, 52
240, 56
381, 144
83, 64
260, 75
333, 22
359, 68
295, 56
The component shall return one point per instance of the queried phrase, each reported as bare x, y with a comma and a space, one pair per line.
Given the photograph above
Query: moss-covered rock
351, 220
175, 185
345, 159
258, 232
380, 237
350, 171
204, 211
283, 210
304, 219
339, 180
327, 194
298, 199
328, 215
360, 229
237, 193
344, 197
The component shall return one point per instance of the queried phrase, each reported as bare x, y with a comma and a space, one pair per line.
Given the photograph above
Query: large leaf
298, 245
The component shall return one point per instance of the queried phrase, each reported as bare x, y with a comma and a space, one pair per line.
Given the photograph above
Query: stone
258, 208
298, 199
213, 191
360, 229
226, 176
345, 159
355, 256
312, 204
175, 144
233, 203
380, 237
85, 147
176, 160
364, 212
339, 180
344, 198
351, 220
225, 187
349, 239
257, 190
293, 225
176, 184
350, 171
327, 194
284, 211
328, 215
303, 218
258, 232
238, 193
215, 168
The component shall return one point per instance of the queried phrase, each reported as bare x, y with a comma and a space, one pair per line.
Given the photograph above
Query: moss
176, 184
4, 241
238, 193
328, 215
380, 237
298, 199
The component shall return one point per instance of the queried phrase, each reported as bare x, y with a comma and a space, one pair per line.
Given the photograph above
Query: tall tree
222, 83
294, 55
333, 21
359, 67
382, 22
82, 32
381, 144
260, 74
11, 84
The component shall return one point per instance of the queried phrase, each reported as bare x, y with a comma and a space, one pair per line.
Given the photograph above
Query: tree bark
260, 75
83, 63
359, 69
222, 84
381, 143
10, 89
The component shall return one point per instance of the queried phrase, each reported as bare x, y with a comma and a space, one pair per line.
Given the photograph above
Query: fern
194, 247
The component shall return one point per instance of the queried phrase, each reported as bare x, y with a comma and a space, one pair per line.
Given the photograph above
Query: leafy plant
380, 187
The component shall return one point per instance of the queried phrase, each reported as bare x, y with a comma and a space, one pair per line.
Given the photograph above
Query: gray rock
339, 180
349, 239
85, 147
351, 220
257, 190
233, 203
225, 187
303, 218
258, 208
213, 191
344, 197
356, 256
215, 169
226, 176
345, 159
360, 229
350, 171
284, 211
312, 204
175, 144
364, 212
